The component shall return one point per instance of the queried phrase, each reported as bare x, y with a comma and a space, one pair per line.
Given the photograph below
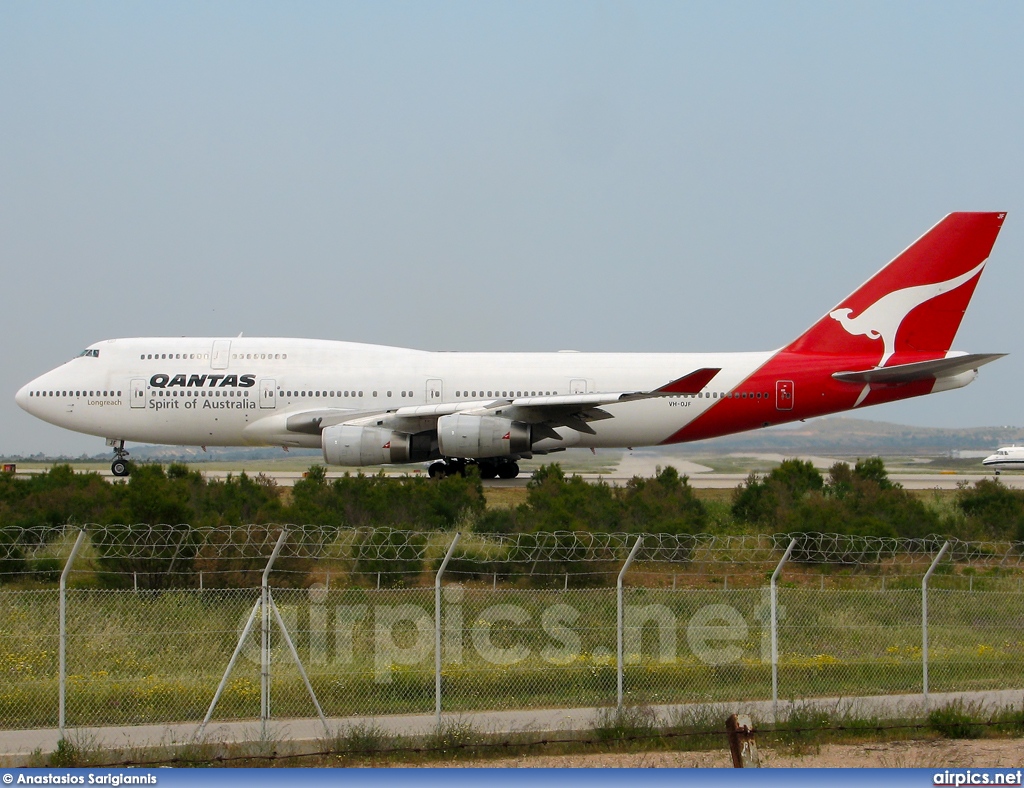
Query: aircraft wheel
436, 470
119, 468
508, 470
488, 470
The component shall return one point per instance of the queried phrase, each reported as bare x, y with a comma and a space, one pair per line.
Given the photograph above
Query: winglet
693, 383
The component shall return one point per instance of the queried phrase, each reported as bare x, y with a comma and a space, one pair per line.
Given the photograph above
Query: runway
700, 477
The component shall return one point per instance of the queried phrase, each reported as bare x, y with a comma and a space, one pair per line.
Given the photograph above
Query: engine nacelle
348, 445
954, 381
461, 435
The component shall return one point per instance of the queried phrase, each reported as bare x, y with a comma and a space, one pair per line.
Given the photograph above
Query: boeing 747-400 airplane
370, 405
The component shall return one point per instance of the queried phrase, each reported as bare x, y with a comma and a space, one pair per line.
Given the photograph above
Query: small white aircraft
370, 405
1005, 458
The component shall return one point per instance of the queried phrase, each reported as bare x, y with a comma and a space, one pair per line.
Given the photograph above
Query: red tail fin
914, 304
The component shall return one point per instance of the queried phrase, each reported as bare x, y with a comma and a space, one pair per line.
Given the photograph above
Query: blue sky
510, 176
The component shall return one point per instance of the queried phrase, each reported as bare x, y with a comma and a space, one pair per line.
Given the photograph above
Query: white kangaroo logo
883, 318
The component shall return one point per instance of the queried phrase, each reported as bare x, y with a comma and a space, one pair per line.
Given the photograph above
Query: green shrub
762, 500
992, 510
955, 721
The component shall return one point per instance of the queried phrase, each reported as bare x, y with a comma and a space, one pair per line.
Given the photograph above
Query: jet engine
345, 444
461, 435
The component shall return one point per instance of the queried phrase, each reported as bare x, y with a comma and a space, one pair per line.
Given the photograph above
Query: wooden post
741, 742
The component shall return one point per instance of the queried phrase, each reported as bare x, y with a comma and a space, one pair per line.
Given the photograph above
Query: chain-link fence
146, 636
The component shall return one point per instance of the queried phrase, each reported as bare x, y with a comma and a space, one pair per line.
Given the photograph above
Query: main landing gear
448, 467
119, 467
489, 469
502, 469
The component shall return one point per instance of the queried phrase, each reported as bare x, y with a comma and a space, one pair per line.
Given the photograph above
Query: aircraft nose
22, 396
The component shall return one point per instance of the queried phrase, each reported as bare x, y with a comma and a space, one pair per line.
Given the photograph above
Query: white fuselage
242, 391
1006, 458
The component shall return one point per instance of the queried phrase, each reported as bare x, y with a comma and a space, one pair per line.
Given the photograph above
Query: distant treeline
863, 501
152, 494
793, 498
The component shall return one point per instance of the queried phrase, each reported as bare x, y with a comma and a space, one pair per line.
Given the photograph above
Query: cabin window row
173, 356
730, 395
259, 356
200, 356
297, 393
96, 393
199, 393
506, 394
409, 393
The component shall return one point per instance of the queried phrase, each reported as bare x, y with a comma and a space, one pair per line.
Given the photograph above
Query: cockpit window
91, 353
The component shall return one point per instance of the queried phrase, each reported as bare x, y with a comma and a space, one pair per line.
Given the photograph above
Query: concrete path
292, 736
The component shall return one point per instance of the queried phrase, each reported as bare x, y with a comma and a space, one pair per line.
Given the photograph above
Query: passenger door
784, 395
268, 393
138, 399
221, 354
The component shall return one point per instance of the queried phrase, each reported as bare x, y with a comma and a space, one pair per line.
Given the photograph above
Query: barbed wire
164, 545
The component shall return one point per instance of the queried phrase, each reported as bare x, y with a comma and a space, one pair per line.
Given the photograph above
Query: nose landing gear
119, 467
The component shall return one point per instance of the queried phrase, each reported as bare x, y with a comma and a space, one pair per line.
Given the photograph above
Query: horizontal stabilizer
919, 370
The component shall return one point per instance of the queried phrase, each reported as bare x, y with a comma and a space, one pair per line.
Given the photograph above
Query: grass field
157, 657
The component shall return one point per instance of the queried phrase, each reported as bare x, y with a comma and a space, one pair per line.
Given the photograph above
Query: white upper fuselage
242, 391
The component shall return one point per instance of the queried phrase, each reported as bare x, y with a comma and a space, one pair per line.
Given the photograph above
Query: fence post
618, 626
775, 630
924, 620
265, 637
740, 731
437, 628
63, 636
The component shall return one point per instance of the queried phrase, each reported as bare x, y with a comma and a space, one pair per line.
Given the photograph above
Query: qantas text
200, 381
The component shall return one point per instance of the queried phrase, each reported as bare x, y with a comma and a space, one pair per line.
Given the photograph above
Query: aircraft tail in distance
914, 305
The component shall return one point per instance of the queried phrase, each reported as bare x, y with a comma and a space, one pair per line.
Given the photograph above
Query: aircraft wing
919, 370
544, 412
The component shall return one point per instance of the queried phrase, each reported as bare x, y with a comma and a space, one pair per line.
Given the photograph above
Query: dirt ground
988, 753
